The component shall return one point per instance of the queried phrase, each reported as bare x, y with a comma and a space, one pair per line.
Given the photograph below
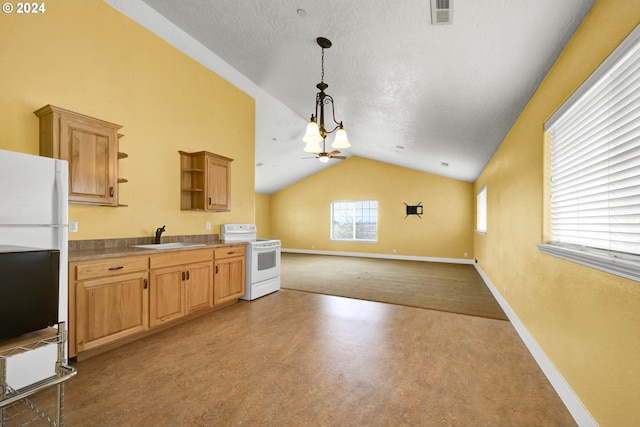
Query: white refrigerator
33, 213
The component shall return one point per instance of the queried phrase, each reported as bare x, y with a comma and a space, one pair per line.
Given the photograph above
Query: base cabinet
117, 300
181, 284
109, 302
109, 309
167, 296
199, 286
229, 273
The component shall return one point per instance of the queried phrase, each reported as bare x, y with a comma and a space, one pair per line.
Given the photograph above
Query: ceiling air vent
441, 12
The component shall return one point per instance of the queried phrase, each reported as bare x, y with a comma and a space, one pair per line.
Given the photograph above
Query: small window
355, 221
481, 208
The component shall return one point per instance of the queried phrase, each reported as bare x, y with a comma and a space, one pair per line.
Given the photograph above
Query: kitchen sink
169, 245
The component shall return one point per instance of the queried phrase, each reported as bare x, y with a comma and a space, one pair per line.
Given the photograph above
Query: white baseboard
383, 256
568, 397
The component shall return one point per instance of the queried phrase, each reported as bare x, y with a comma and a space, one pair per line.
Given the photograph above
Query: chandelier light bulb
313, 133
313, 147
324, 159
341, 140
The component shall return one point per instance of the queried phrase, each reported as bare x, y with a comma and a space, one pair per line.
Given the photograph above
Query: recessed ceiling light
259, 164
301, 12
400, 147
444, 164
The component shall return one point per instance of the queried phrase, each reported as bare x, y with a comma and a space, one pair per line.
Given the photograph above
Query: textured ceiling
409, 93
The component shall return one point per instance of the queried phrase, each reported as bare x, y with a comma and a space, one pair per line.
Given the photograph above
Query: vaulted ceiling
436, 98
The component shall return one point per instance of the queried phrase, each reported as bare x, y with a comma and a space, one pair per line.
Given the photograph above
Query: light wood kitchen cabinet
205, 181
113, 301
229, 280
199, 286
108, 301
90, 146
180, 284
167, 295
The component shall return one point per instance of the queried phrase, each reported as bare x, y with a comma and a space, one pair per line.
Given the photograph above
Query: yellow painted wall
586, 321
300, 213
87, 57
263, 215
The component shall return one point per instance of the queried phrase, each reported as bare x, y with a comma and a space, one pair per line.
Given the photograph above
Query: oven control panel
266, 244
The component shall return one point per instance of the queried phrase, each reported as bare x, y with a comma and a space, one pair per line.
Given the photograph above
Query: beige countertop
124, 251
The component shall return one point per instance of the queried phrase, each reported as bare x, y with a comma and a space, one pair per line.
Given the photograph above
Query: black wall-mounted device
414, 210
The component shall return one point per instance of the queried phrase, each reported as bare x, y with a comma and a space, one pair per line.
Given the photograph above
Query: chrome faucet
159, 232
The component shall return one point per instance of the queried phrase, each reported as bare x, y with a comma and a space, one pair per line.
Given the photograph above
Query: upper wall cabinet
90, 146
205, 181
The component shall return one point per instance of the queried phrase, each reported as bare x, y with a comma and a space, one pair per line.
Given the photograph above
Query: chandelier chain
322, 75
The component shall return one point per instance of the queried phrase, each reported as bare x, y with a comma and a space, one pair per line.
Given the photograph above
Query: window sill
354, 241
627, 266
481, 232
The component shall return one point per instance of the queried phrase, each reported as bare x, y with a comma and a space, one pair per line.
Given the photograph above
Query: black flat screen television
29, 285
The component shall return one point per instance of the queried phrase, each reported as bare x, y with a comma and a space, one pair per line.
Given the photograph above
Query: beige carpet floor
455, 288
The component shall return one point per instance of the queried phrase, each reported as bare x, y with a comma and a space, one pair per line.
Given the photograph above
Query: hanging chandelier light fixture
316, 132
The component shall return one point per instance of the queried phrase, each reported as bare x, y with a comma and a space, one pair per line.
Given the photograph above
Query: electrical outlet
393, 250
208, 225
466, 254
73, 226
313, 246
505, 292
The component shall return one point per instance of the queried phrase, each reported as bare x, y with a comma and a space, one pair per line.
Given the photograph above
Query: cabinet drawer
180, 258
109, 267
229, 251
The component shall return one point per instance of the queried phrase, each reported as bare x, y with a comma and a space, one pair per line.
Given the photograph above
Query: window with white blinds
595, 164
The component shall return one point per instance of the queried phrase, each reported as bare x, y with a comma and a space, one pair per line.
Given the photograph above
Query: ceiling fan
324, 156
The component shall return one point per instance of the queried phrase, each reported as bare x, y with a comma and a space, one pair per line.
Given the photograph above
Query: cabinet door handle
187, 275
146, 284
183, 275
110, 191
216, 269
231, 253
120, 267
209, 200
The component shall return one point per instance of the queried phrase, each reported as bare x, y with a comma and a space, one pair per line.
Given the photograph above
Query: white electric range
262, 259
